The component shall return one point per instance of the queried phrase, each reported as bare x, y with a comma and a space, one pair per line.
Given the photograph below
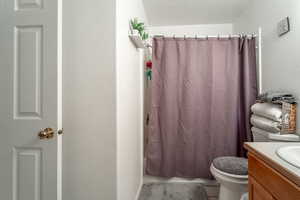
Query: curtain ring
206, 37
184, 37
229, 36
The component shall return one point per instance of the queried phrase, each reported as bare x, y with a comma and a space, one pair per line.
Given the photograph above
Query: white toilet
232, 172
233, 184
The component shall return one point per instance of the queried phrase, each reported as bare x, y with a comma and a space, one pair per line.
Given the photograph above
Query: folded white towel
265, 124
259, 135
268, 110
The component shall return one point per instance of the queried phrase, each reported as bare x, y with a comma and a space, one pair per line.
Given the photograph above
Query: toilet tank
284, 138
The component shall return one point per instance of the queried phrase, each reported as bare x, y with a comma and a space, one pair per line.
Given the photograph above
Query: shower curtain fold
202, 91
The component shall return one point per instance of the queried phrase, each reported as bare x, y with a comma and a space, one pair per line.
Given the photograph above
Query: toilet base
232, 187
229, 194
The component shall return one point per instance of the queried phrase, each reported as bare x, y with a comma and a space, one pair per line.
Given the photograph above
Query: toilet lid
232, 165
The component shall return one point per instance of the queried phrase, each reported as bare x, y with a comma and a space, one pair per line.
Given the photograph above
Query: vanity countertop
267, 152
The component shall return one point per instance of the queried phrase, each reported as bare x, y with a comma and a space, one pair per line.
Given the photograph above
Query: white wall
129, 102
183, 12
89, 100
192, 30
280, 55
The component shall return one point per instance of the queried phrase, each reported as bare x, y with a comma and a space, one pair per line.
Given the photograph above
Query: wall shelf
137, 41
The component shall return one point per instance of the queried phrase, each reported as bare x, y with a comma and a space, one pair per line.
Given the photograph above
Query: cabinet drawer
276, 184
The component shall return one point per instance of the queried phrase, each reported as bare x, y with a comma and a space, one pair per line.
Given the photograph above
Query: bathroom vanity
271, 177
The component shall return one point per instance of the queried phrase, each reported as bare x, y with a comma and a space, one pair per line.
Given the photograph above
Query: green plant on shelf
140, 27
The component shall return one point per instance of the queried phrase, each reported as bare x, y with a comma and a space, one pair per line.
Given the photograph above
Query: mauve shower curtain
202, 91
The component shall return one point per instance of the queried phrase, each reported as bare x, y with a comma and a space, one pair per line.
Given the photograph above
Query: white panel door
30, 89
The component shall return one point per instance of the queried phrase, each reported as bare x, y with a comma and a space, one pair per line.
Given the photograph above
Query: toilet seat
229, 175
232, 165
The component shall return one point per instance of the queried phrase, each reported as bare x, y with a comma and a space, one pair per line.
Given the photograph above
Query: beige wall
89, 100
280, 55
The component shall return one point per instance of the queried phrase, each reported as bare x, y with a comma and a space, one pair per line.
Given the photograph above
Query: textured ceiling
180, 12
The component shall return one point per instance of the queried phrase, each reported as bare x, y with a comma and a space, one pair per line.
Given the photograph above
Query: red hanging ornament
149, 64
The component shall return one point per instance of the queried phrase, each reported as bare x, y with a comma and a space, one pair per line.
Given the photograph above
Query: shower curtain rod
205, 37
209, 36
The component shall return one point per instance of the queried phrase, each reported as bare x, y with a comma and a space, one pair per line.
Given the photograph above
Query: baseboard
139, 191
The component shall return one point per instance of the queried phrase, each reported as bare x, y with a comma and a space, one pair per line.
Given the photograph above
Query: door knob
47, 133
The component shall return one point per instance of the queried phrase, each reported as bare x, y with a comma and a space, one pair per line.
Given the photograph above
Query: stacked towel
266, 119
265, 124
268, 110
260, 135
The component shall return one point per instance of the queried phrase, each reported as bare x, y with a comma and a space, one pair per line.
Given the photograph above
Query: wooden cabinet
266, 183
258, 192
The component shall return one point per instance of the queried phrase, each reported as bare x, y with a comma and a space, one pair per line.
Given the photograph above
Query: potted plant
138, 28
